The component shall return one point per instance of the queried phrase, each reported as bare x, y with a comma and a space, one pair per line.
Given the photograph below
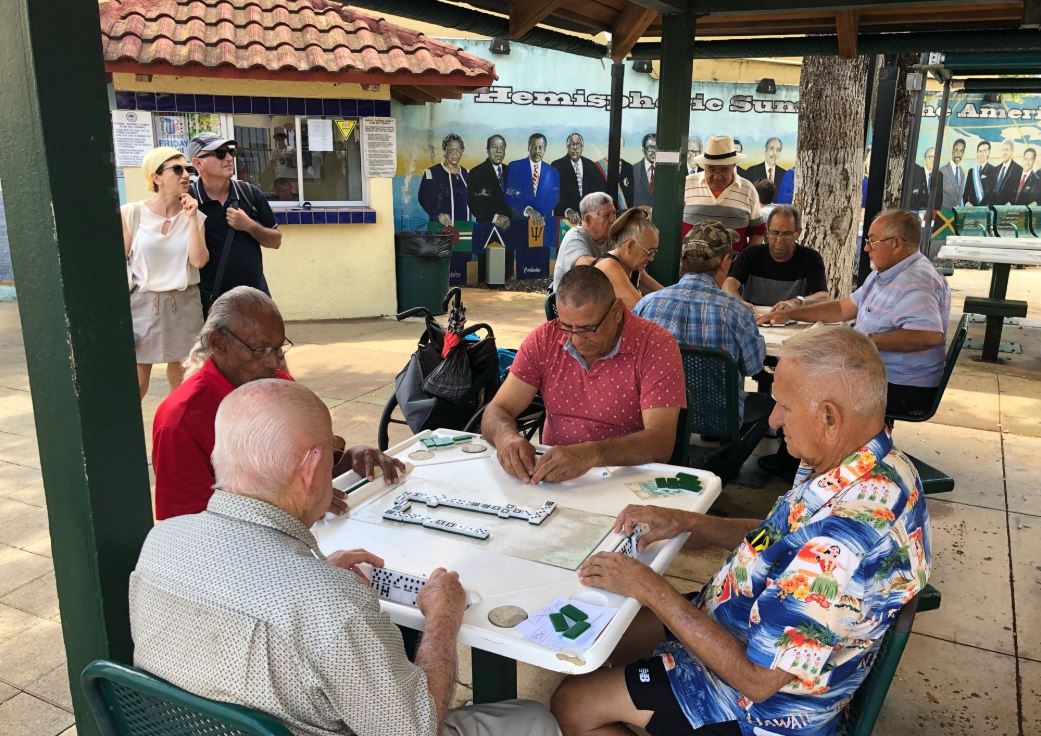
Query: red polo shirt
182, 442
644, 371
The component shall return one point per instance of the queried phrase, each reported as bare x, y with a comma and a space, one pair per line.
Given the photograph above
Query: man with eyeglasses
243, 340
903, 306
239, 220
698, 312
718, 194
782, 272
612, 384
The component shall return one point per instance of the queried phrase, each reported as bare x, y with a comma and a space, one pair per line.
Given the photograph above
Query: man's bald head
263, 432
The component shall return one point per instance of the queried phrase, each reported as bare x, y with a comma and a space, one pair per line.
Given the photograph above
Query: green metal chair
127, 701
713, 410
974, 221
863, 709
933, 479
1012, 221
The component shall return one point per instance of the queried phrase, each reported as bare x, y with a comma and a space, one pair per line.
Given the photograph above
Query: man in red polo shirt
243, 340
612, 384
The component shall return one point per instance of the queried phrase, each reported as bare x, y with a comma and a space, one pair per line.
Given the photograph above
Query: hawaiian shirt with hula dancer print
811, 591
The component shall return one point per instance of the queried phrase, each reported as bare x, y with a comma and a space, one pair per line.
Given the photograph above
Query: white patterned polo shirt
238, 604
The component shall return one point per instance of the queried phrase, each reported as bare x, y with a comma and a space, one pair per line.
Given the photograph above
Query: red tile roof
280, 39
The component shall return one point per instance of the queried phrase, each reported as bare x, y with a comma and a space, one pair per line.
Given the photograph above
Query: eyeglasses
872, 243
781, 233
220, 154
650, 253
261, 353
179, 170
583, 330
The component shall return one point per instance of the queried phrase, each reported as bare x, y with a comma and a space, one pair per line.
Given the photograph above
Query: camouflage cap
709, 240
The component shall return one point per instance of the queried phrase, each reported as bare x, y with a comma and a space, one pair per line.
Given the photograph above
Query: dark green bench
935, 480
995, 310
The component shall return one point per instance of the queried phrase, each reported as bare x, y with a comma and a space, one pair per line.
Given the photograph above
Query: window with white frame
278, 155
295, 159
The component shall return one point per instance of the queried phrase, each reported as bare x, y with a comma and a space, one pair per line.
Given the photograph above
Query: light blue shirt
911, 295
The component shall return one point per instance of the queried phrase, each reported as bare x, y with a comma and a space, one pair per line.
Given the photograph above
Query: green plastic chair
974, 221
551, 306
933, 479
712, 378
1012, 221
127, 701
863, 709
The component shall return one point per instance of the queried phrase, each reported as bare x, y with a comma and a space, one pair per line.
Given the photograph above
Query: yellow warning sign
346, 127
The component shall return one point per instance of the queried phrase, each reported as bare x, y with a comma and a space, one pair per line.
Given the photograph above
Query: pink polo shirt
644, 371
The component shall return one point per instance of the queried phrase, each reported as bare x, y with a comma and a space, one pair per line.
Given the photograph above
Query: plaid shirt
697, 312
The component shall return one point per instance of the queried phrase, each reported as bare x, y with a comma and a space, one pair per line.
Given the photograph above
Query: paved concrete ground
973, 667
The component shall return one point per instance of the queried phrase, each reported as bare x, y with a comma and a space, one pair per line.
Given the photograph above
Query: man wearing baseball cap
697, 311
238, 220
717, 193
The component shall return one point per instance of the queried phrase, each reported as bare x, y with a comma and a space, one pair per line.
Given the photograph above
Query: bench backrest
973, 221
1012, 221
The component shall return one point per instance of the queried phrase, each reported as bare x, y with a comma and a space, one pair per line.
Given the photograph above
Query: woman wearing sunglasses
165, 248
635, 241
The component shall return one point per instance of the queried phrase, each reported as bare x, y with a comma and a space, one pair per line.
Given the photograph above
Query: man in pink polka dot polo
612, 384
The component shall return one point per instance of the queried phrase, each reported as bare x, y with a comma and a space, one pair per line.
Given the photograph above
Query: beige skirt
166, 324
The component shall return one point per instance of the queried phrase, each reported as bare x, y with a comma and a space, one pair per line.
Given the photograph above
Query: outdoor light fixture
500, 45
992, 98
642, 66
766, 86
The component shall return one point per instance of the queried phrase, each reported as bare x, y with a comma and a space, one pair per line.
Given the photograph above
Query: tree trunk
830, 163
900, 137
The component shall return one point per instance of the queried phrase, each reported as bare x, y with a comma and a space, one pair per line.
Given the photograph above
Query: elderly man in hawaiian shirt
784, 633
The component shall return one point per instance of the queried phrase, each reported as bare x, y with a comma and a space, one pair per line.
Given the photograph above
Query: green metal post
677, 44
62, 215
494, 676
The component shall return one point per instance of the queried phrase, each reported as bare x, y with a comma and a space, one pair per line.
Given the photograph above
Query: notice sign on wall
131, 136
380, 142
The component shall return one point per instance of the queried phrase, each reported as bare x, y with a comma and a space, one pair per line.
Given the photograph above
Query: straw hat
719, 151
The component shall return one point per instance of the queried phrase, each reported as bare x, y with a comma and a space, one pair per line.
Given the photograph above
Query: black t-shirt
765, 282
245, 263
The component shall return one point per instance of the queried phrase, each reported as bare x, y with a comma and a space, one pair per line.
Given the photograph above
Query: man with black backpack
238, 220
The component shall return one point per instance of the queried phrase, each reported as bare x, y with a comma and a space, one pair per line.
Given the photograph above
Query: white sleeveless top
160, 262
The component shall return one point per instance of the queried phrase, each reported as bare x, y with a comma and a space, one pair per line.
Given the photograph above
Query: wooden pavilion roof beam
632, 23
526, 14
846, 30
746, 7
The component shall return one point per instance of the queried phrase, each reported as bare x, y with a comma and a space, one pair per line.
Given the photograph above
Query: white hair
846, 354
229, 308
262, 433
593, 201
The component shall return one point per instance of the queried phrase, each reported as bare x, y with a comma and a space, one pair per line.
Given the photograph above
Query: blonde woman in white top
165, 247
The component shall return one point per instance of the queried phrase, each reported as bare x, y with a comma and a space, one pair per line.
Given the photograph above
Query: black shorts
649, 689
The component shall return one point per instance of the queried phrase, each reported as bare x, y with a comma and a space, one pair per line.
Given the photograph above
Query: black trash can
422, 261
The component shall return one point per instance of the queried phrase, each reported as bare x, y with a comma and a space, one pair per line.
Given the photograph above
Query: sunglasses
220, 154
179, 170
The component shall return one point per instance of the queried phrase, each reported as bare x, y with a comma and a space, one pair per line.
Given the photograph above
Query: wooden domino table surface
520, 564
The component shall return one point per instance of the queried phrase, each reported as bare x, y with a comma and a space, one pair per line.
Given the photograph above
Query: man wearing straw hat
717, 193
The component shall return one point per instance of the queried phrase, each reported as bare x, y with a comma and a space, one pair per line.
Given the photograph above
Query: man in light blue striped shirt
697, 311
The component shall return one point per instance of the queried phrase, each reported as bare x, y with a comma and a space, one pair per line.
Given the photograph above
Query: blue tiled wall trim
325, 217
169, 102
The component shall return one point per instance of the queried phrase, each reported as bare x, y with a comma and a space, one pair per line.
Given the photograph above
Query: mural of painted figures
579, 176
442, 193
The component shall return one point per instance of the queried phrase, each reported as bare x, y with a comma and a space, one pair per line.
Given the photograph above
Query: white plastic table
519, 564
